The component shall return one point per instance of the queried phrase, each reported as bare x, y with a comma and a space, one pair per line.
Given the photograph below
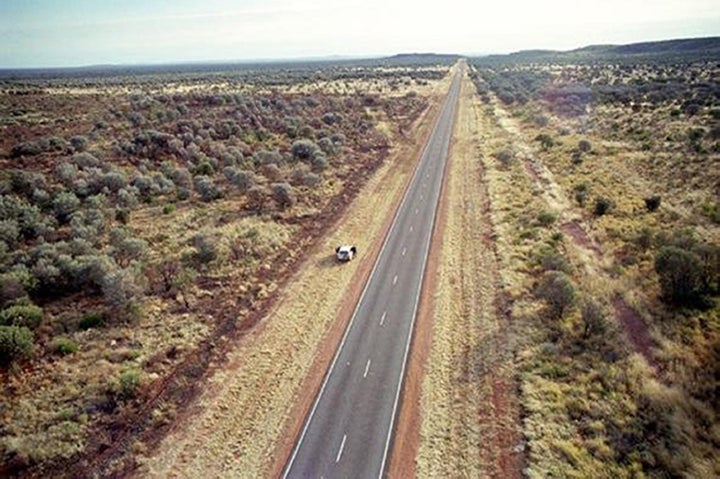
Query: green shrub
15, 284
283, 195
204, 168
546, 218
505, 157
206, 248
602, 206
679, 272
91, 320
545, 141
593, 319
169, 208
64, 205
63, 346
128, 383
553, 261
15, 342
644, 238
122, 215
581, 197
712, 211
122, 291
558, 292
28, 316
584, 146
304, 150
652, 203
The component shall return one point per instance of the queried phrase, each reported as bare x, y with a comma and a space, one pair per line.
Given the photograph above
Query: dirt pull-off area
464, 418
248, 416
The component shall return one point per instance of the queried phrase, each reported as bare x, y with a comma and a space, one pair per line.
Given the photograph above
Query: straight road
349, 429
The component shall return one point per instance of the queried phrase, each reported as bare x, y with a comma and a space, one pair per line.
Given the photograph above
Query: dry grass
594, 406
464, 428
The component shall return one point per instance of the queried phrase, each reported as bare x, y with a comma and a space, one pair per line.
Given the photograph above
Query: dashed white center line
342, 446
395, 280
382, 318
417, 211
411, 228
404, 251
367, 368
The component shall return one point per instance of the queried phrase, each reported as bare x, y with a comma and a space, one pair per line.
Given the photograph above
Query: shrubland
603, 177
146, 216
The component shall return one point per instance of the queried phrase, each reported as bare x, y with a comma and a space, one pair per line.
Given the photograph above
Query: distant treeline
250, 69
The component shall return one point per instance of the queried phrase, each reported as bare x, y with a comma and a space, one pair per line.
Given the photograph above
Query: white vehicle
345, 252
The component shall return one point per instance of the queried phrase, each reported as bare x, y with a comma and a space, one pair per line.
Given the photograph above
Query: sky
61, 33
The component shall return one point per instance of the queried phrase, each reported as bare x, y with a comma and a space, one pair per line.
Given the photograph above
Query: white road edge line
367, 368
416, 174
417, 300
411, 229
395, 280
342, 446
404, 251
382, 318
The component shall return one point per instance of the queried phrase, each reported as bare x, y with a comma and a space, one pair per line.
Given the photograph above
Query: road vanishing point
348, 432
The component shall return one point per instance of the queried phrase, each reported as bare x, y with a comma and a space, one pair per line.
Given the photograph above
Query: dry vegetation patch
152, 223
604, 227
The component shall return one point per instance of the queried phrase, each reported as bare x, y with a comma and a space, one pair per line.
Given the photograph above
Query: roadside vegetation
146, 217
603, 183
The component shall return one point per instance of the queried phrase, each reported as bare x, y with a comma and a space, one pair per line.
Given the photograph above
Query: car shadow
329, 261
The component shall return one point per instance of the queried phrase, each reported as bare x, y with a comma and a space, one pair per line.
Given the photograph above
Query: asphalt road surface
349, 429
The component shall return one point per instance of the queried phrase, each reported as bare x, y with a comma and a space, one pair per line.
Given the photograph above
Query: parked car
345, 252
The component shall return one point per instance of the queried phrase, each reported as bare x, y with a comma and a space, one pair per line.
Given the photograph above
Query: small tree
557, 290
680, 275
584, 146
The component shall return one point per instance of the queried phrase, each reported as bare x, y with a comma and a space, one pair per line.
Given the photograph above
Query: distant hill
683, 50
420, 58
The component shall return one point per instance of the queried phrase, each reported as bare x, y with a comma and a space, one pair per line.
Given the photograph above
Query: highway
348, 432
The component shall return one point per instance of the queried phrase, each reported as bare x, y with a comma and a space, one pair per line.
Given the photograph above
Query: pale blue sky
41, 33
